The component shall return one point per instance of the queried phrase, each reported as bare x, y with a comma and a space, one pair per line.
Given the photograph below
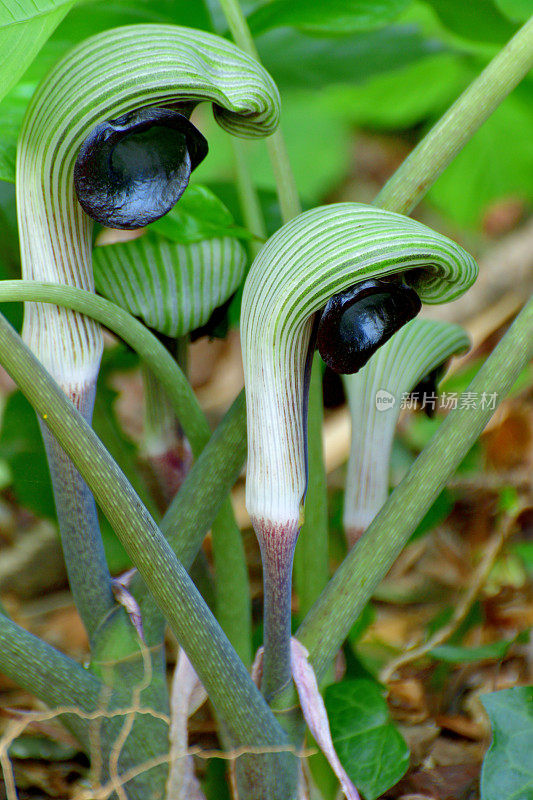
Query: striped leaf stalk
419, 349
319, 254
109, 75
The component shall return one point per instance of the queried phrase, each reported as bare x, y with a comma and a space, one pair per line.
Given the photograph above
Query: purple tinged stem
277, 544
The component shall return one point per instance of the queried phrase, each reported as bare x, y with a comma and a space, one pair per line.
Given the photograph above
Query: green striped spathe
320, 253
399, 365
173, 288
106, 76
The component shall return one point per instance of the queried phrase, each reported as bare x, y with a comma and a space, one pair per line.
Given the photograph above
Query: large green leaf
496, 164
21, 445
329, 16
507, 772
404, 97
12, 110
25, 25
369, 746
479, 20
516, 10
296, 60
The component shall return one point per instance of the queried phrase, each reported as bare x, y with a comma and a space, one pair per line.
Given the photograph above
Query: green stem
226, 680
361, 571
81, 541
233, 603
122, 451
48, 674
248, 199
440, 146
211, 478
311, 556
286, 185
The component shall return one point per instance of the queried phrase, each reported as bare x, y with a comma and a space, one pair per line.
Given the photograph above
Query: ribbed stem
64, 684
311, 556
83, 550
233, 603
277, 551
440, 146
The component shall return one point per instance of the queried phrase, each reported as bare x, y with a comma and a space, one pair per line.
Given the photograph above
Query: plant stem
311, 556
247, 716
48, 674
285, 183
83, 549
248, 198
277, 551
233, 603
440, 146
131, 331
196, 505
354, 582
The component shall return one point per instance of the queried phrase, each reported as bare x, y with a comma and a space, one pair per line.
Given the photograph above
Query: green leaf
507, 771
369, 746
406, 96
456, 654
516, 10
25, 25
12, 110
199, 215
497, 163
330, 16
22, 447
295, 60
479, 20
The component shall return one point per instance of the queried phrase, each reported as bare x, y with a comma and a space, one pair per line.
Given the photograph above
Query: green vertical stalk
311, 556
83, 549
440, 146
233, 602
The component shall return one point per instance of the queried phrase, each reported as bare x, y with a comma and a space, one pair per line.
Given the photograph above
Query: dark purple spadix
130, 171
355, 323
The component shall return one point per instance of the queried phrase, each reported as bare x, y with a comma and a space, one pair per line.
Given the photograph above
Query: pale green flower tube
107, 76
375, 397
319, 254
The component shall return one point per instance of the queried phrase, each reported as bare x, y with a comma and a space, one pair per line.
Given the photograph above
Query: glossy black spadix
355, 323
130, 171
